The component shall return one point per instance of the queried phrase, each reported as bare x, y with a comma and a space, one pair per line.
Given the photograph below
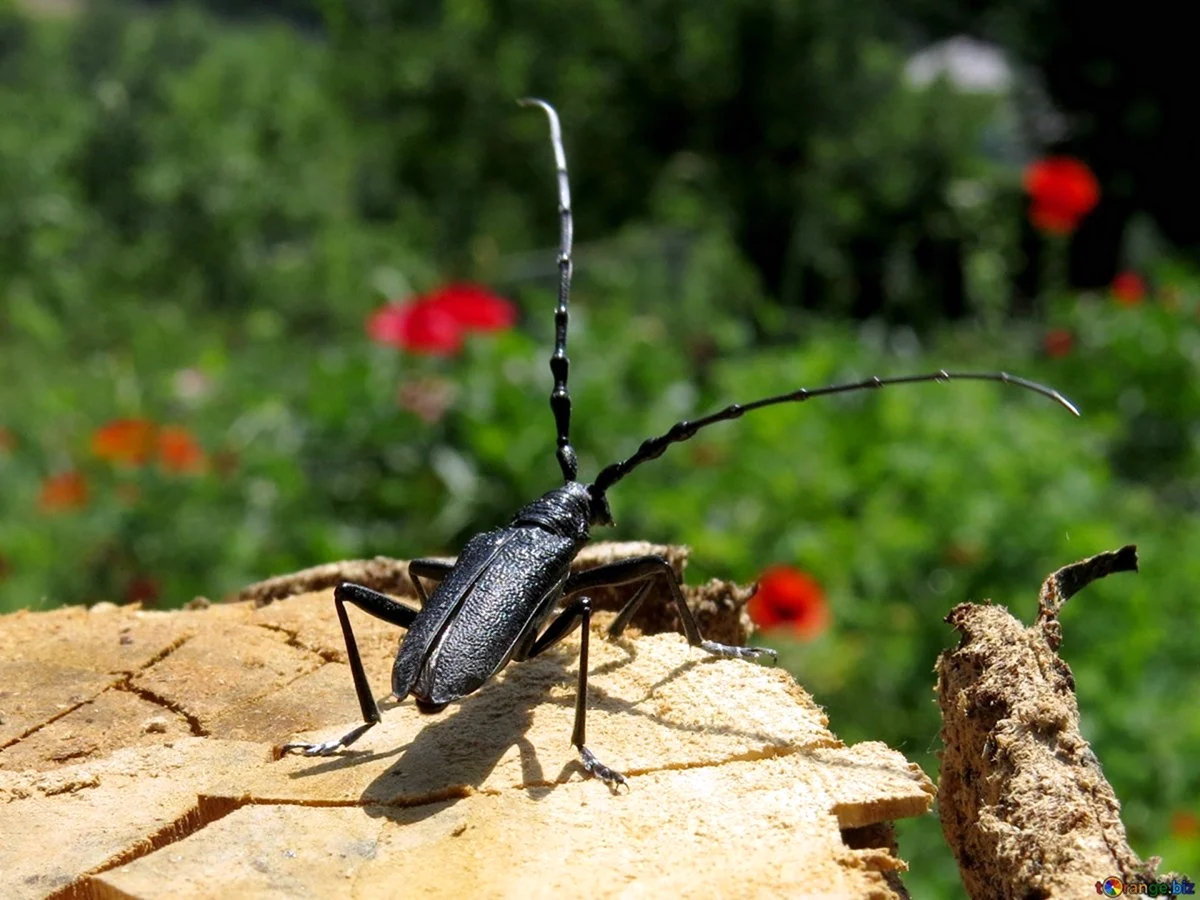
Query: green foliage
1138, 368
197, 222
841, 184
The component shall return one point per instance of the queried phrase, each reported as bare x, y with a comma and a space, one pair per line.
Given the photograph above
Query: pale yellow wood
138, 759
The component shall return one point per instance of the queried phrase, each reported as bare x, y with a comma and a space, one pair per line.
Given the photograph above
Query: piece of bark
1023, 800
719, 606
155, 772
390, 576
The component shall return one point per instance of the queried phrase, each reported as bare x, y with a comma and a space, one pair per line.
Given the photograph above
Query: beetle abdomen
431, 621
513, 595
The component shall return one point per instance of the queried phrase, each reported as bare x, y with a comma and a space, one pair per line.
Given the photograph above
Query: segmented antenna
560, 399
683, 431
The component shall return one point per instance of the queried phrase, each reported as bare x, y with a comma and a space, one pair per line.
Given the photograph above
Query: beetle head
599, 512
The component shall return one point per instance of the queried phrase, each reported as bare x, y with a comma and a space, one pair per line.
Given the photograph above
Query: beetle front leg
578, 611
645, 569
382, 607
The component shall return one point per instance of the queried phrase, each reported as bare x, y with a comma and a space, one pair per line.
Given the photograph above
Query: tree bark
1023, 799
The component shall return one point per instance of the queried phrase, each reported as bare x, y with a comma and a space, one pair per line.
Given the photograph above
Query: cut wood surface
139, 758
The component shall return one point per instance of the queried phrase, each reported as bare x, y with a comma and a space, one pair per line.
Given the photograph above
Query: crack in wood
204, 813
762, 753
161, 654
197, 729
293, 640
119, 684
34, 729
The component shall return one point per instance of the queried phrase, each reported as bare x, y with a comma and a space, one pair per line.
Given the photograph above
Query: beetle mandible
492, 605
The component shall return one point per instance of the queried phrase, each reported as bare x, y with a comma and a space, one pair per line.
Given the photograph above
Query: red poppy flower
789, 598
1058, 343
66, 490
1185, 824
417, 327
1063, 190
960, 555
144, 590
178, 450
127, 441
436, 323
1128, 289
474, 308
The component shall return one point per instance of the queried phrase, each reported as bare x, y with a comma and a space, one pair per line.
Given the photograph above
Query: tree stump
139, 758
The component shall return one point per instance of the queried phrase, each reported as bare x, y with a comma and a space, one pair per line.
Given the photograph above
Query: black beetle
490, 606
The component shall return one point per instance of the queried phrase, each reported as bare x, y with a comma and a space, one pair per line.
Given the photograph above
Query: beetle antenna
560, 399
652, 448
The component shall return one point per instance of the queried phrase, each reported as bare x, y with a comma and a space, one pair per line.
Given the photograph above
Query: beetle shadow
631, 709
456, 751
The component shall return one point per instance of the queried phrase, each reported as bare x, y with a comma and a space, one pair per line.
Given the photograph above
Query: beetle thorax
565, 511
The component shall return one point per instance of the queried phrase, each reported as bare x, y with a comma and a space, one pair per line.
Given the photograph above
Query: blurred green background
202, 206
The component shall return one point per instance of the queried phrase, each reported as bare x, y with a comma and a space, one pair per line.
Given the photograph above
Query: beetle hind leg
327, 748
577, 612
614, 779
645, 569
382, 607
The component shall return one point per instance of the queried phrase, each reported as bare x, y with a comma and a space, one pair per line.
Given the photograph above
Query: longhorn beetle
493, 604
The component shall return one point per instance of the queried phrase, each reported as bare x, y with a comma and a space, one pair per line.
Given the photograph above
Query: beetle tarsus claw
738, 652
326, 748
611, 777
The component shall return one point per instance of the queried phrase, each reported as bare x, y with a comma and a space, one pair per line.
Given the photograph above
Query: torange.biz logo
1116, 887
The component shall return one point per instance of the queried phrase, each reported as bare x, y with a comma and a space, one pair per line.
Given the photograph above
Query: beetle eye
600, 514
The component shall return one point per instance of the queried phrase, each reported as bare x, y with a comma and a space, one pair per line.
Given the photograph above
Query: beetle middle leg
578, 611
382, 607
433, 569
646, 569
